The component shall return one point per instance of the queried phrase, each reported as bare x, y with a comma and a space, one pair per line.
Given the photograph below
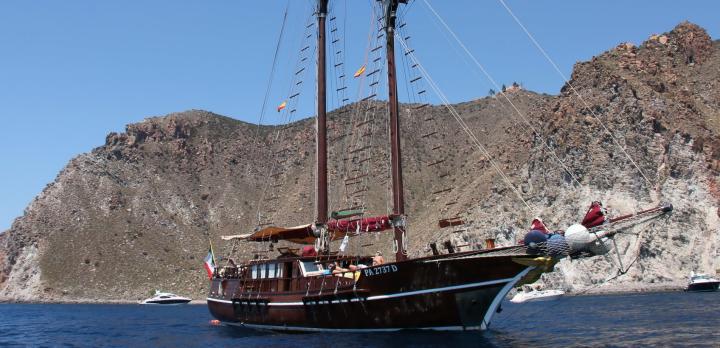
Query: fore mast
321, 198
390, 7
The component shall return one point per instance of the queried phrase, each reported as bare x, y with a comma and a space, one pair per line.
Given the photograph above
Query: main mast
395, 153
321, 200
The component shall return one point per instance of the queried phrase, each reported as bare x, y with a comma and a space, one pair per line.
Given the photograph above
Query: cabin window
254, 271
310, 268
271, 270
279, 270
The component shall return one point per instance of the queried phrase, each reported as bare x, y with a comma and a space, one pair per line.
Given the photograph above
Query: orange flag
359, 71
281, 106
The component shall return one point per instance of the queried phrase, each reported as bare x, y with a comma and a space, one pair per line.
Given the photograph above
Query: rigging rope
348, 141
567, 81
289, 111
363, 138
272, 69
517, 307
498, 87
414, 96
340, 76
265, 100
621, 270
466, 129
270, 79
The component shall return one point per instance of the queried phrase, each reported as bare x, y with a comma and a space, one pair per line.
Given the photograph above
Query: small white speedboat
165, 298
702, 282
530, 295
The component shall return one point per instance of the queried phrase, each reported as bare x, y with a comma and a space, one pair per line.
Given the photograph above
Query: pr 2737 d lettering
379, 270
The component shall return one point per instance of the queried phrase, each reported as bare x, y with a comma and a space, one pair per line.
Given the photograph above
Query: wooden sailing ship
317, 289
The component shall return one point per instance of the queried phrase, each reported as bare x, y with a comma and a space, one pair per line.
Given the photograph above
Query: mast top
322, 7
390, 8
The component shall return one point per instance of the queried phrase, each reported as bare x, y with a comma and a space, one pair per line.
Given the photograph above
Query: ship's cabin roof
286, 266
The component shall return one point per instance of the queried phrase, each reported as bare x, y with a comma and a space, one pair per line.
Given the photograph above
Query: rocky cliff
659, 102
138, 212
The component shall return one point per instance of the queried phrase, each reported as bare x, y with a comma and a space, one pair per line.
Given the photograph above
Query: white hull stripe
500, 296
317, 329
399, 294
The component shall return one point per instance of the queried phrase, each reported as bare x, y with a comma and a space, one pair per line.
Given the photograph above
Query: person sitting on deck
357, 267
378, 259
337, 269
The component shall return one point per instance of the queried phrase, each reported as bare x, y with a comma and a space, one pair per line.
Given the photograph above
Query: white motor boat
702, 282
166, 298
529, 295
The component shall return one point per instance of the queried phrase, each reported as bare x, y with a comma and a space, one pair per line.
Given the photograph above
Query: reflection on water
673, 319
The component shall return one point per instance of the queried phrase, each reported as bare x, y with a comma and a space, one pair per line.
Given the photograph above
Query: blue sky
73, 71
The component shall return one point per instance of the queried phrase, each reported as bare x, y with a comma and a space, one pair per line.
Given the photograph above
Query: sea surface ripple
657, 319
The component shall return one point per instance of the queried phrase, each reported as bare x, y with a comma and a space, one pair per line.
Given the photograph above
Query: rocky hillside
137, 213
660, 103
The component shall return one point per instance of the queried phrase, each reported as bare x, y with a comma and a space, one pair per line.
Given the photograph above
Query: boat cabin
291, 273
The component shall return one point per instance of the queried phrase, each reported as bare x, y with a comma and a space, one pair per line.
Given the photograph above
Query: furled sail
305, 234
357, 226
595, 216
302, 234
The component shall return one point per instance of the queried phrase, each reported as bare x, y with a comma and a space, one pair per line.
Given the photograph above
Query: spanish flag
359, 71
281, 106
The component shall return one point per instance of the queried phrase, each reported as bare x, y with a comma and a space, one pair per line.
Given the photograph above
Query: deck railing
314, 285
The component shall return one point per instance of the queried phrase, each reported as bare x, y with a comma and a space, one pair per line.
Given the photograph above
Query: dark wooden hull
447, 292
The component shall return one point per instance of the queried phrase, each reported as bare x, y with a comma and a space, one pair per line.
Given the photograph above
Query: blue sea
658, 319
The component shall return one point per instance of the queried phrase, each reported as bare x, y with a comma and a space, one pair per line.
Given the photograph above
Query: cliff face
663, 101
137, 213
660, 103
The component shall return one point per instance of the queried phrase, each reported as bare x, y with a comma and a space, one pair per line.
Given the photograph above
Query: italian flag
210, 263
